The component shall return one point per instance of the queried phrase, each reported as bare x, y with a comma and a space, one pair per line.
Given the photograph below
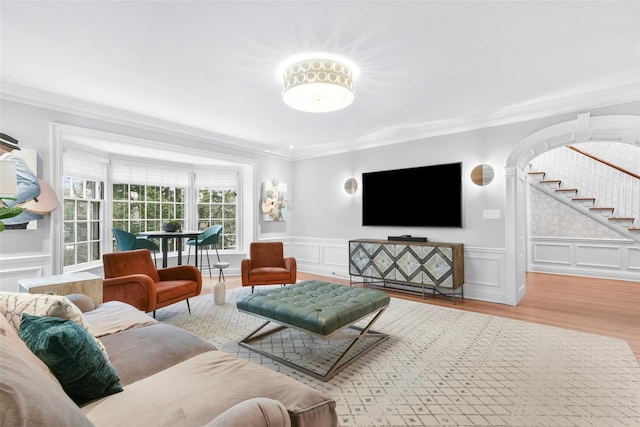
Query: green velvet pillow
72, 355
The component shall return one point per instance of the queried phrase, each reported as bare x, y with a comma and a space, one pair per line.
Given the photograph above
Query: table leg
179, 242
165, 250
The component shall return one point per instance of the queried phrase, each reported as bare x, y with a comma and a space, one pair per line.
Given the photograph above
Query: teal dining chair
209, 237
126, 241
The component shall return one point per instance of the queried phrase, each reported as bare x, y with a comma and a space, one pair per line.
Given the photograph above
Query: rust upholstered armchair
132, 277
267, 265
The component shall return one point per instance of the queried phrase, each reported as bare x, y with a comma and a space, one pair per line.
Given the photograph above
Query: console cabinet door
409, 263
375, 260
438, 267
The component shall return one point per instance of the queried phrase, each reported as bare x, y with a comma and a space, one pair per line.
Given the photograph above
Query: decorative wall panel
617, 259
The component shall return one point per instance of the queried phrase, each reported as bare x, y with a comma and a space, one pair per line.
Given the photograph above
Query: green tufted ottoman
322, 309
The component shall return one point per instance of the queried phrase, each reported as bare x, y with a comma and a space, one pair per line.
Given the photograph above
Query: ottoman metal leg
342, 361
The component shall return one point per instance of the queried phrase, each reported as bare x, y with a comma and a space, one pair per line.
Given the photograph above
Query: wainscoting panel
633, 259
596, 256
484, 274
16, 269
603, 258
306, 253
552, 253
336, 255
329, 257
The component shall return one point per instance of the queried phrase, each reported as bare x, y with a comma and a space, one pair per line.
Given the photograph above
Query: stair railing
592, 177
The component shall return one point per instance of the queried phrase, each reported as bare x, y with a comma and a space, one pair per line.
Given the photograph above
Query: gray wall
320, 208
323, 209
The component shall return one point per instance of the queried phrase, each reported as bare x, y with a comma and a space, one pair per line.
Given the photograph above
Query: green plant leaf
6, 212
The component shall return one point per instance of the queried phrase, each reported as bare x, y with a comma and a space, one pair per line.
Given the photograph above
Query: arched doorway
584, 128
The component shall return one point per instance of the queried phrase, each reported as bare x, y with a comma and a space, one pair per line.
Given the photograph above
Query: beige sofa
169, 377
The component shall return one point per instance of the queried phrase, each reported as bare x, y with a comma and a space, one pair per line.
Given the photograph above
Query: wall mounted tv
426, 196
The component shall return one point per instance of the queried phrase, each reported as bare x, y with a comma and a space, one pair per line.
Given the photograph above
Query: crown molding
42, 99
513, 114
517, 113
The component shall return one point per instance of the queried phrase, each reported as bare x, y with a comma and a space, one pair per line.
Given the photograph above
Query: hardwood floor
597, 306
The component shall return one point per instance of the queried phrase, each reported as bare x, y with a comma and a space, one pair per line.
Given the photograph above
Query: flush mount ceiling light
318, 83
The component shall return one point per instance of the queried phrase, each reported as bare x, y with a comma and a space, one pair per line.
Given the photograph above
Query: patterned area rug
443, 366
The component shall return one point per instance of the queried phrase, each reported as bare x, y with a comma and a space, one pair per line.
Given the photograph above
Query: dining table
165, 236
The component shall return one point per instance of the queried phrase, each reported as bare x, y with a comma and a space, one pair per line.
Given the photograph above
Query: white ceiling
426, 67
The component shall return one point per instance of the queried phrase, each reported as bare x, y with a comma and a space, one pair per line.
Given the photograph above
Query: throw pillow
13, 304
82, 301
72, 355
29, 393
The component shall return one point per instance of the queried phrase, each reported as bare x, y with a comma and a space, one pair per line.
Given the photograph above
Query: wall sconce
482, 175
351, 185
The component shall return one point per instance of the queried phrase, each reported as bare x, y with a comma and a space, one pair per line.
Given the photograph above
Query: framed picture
25, 174
274, 201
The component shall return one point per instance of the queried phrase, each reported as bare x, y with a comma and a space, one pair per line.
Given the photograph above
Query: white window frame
97, 221
64, 136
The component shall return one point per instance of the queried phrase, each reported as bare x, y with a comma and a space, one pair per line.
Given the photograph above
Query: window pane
69, 232
95, 251
203, 195
91, 189
153, 193
69, 255
120, 210
69, 210
95, 210
230, 196
136, 193
229, 212
120, 224
230, 227
204, 212
66, 186
137, 211
229, 242
120, 192
81, 232
167, 194
82, 210
216, 196
168, 212
78, 188
95, 230
179, 211
153, 210
83, 253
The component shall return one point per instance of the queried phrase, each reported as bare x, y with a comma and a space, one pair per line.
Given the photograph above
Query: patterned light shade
318, 84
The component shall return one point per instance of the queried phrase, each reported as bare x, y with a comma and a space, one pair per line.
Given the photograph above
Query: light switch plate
492, 214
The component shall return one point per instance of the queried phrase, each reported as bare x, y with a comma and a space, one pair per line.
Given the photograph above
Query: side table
65, 284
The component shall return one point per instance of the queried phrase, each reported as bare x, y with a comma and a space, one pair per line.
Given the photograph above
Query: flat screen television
425, 196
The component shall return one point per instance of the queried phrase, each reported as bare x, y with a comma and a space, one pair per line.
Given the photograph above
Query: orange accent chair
267, 265
132, 277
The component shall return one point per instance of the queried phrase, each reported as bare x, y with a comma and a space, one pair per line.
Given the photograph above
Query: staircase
595, 188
